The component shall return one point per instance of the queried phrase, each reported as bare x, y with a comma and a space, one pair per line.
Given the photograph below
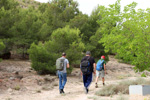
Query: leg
103, 79
84, 80
96, 80
60, 80
97, 76
89, 80
102, 75
64, 80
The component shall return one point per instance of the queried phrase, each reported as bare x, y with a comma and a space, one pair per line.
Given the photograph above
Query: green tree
93, 45
8, 12
62, 40
130, 38
58, 14
25, 30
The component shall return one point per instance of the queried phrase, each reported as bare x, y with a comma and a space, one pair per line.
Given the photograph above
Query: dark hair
63, 54
88, 53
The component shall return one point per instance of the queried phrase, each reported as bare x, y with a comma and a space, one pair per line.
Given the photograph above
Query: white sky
86, 6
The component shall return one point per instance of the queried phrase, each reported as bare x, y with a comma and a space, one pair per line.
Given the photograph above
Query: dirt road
20, 82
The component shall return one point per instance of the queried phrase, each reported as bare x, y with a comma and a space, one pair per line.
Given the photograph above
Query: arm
94, 65
68, 65
105, 68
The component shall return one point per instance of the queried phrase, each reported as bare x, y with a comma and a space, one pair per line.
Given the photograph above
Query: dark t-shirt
91, 60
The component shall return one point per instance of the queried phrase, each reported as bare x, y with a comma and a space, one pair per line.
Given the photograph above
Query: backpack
99, 65
85, 67
60, 64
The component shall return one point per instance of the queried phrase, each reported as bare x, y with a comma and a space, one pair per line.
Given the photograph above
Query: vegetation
2, 46
44, 55
45, 30
122, 87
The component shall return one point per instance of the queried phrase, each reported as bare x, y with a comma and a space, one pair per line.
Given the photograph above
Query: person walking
88, 66
62, 72
100, 70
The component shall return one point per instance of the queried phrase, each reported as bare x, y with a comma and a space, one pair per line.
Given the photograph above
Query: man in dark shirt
87, 79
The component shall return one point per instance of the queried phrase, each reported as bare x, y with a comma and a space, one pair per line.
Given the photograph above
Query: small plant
38, 91
17, 88
55, 84
47, 87
9, 99
143, 75
120, 77
93, 98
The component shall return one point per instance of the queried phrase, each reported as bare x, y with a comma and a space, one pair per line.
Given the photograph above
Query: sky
86, 6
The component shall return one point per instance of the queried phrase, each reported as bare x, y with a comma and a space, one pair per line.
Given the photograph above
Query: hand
105, 72
94, 72
81, 73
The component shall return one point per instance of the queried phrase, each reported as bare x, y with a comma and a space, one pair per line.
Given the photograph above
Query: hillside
28, 3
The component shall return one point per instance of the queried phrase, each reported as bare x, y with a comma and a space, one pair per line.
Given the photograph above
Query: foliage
26, 29
44, 55
42, 60
127, 34
2, 46
107, 30
143, 75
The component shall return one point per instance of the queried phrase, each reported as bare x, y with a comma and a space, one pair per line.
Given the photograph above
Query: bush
2, 46
42, 61
44, 55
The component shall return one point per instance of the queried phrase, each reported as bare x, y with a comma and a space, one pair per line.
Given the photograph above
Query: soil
18, 81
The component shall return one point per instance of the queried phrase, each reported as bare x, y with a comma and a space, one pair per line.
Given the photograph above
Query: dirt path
34, 87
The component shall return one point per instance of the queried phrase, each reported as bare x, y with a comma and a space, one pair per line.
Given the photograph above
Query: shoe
63, 91
96, 86
60, 91
86, 90
103, 84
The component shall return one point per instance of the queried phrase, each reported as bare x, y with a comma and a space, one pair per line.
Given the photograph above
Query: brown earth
19, 82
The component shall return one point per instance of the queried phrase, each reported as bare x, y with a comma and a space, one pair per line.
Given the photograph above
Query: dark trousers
87, 79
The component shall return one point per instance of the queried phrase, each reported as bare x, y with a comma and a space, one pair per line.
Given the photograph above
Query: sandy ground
20, 82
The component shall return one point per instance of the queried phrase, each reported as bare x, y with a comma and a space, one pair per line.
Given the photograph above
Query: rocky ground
18, 81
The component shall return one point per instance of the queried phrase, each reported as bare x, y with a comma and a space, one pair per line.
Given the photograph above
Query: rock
10, 90
12, 78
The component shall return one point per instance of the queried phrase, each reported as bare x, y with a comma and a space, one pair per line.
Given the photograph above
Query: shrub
2, 46
43, 56
143, 75
42, 61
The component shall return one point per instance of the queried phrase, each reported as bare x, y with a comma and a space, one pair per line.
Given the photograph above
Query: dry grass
122, 87
121, 97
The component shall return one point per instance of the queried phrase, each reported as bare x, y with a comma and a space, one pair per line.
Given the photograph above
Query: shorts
100, 73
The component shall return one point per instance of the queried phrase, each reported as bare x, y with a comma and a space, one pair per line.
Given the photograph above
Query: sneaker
63, 91
86, 90
103, 84
96, 86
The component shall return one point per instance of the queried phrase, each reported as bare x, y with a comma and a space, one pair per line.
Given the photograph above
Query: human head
102, 57
63, 54
88, 53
